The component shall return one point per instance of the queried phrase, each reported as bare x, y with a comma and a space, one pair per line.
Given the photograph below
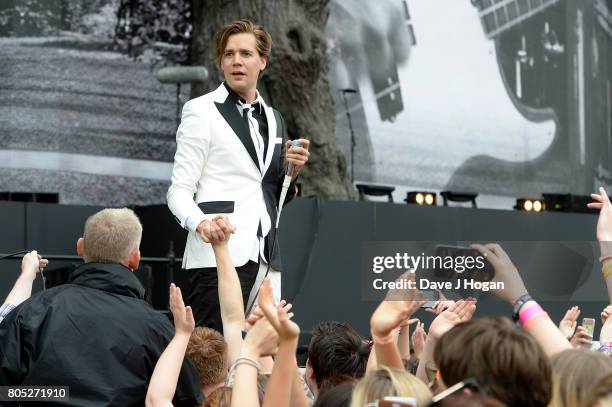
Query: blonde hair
389, 382
111, 235
263, 40
575, 373
601, 395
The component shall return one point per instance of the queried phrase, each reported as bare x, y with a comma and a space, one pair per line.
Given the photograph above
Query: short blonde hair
263, 40
111, 235
389, 382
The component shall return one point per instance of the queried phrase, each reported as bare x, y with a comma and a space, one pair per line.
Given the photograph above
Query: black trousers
203, 292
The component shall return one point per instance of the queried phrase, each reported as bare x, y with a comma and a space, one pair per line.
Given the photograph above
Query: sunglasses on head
470, 384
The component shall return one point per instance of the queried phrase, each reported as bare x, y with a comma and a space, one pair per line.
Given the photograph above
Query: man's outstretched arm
31, 264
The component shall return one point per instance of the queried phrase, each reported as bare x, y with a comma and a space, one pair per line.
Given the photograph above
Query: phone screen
589, 325
467, 263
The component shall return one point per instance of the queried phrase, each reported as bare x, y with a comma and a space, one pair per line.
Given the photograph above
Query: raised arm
31, 264
260, 341
281, 390
403, 338
533, 318
604, 235
165, 376
456, 313
568, 324
398, 306
230, 292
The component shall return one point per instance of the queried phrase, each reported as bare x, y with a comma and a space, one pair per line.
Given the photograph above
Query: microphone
286, 182
294, 143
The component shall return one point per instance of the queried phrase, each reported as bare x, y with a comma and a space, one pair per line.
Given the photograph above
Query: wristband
527, 324
245, 361
604, 258
530, 312
606, 347
518, 306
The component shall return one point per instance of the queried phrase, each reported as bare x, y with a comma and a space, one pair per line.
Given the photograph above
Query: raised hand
210, 231
605, 314
567, 326
32, 263
222, 223
184, 323
257, 313
419, 336
581, 338
398, 306
262, 338
278, 317
505, 272
440, 306
462, 311
604, 223
605, 335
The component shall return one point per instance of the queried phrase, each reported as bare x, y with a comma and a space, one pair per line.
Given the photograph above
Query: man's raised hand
32, 263
223, 223
210, 231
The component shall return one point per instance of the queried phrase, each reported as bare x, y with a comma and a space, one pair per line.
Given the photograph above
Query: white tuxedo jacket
216, 170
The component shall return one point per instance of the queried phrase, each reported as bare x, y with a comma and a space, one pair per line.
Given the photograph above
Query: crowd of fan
98, 336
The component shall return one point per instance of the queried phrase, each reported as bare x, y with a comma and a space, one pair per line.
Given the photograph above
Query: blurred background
504, 98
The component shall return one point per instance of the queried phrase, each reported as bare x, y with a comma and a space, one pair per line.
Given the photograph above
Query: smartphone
432, 297
462, 262
428, 305
589, 324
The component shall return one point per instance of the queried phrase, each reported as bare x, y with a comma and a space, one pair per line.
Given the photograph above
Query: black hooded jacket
95, 335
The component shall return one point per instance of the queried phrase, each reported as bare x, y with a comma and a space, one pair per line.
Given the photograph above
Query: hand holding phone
589, 325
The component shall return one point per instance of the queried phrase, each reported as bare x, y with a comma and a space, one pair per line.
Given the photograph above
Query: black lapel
230, 113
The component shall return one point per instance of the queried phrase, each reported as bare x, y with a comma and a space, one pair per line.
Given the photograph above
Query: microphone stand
352, 132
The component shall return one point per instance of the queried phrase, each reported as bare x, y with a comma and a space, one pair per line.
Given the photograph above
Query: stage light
529, 205
454, 196
537, 206
568, 203
421, 198
374, 190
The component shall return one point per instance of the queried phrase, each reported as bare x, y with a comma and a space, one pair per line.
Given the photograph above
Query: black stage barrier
320, 242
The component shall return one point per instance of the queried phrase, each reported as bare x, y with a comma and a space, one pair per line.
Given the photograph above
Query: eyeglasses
470, 383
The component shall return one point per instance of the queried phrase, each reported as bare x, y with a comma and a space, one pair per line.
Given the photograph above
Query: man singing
230, 159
